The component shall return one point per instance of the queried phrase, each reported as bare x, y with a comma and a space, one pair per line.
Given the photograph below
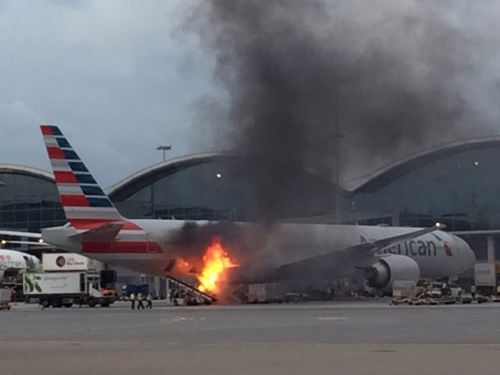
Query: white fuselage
16, 260
438, 254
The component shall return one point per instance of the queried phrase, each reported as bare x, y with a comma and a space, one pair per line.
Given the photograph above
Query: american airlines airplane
12, 260
283, 251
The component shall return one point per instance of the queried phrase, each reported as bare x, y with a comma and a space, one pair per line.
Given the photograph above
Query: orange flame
215, 261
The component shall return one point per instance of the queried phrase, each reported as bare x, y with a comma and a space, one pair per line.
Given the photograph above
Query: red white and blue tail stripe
85, 203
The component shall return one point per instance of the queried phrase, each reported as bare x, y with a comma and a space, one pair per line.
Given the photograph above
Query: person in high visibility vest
149, 300
132, 299
140, 298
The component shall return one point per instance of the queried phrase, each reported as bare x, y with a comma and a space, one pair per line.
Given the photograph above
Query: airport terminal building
456, 184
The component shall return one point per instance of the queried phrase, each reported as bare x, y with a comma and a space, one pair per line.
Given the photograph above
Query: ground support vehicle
135, 289
59, 289
182, 293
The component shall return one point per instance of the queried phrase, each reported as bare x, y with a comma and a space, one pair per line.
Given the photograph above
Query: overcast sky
118, 77
122, 77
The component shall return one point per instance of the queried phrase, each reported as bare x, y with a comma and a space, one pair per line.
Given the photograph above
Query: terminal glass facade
221, 189
28, 202
459, 188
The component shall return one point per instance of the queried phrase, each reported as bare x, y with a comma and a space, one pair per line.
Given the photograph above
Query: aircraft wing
338, 261
373, 246
20, 234
28, 238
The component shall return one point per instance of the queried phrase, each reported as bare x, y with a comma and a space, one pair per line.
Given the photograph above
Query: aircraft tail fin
85, 203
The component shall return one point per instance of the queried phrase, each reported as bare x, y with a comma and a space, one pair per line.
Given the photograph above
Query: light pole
164, 148
336, 155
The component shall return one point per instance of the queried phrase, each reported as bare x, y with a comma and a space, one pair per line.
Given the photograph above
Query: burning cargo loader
209, 276
216, 261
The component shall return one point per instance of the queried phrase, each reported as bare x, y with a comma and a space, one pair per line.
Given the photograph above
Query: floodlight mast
336, 157
164, 148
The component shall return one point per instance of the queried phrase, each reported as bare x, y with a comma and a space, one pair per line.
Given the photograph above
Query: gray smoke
193, 238
388, 75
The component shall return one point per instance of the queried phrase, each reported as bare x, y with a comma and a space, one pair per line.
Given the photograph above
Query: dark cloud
117, 85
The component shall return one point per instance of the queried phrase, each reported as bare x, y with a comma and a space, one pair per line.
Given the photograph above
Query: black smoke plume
245, 243
303, 76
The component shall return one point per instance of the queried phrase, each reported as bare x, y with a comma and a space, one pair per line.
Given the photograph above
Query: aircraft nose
469, 258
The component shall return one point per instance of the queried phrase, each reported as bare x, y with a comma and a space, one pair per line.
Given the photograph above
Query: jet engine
388, 268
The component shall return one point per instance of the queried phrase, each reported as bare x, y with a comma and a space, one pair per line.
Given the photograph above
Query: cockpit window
437, 237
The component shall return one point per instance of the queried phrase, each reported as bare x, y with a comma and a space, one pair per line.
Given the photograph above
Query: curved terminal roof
27, 171
366, 183
145, 176
391, 172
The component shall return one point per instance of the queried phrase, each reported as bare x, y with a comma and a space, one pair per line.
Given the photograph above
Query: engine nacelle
389, 268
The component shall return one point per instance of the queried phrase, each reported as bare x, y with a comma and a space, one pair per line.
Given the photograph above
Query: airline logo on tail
88, 209
84, 202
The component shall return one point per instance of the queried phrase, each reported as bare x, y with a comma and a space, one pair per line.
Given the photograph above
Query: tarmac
312, 338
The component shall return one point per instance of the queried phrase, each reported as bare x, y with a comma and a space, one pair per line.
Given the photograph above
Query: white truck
59, 289
485, 278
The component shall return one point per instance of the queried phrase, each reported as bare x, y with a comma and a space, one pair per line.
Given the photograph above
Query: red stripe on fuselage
93, 223
65, 177
55, 152
74, 201
121, 248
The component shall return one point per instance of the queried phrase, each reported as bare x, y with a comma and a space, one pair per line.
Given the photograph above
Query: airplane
31, 239
15, 261
25, 235
282, 251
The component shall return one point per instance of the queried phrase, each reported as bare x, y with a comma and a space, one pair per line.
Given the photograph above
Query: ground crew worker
445, 289
473, 290
149, 299
140, 304
132, 299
